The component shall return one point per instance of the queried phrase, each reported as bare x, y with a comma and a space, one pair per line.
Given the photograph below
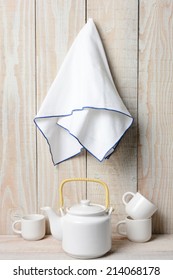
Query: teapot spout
55, 222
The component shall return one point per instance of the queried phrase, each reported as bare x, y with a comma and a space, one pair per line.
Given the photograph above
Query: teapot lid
85, 208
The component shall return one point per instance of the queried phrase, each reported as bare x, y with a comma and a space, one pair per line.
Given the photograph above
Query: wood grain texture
160, 247
58, 23
155, 109
117, 24
35, 36
17, 99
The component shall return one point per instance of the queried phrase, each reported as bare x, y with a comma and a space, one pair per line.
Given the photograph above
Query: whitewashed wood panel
14, 248
17, 106
143, 160
57, 24
117, 23
155, 109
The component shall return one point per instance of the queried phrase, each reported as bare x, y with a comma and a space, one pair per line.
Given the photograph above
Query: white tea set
85, 228
138, 223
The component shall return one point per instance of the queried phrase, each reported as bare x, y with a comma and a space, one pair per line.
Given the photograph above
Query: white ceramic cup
32, 227
138, 207
135, 230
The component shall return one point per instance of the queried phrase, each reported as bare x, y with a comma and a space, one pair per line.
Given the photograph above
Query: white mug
138, 207
32, 227
136, 230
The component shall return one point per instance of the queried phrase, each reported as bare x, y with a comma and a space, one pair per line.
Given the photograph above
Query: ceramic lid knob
85, 202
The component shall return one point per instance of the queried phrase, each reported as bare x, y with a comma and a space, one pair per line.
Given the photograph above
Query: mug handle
14, 229
122, 232
125, 196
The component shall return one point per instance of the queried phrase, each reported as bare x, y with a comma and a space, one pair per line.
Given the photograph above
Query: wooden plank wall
18, 192
155, 108
35, 36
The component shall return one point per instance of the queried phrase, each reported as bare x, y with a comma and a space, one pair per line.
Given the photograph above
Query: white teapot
85, 228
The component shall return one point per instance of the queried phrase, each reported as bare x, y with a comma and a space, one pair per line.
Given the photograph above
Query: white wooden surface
35, 36
155, 109
160, 247
18, 193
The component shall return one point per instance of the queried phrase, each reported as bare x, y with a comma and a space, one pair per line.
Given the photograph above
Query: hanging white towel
83, 108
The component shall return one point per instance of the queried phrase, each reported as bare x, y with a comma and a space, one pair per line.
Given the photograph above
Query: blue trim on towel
50, 145
65, 115
81, 109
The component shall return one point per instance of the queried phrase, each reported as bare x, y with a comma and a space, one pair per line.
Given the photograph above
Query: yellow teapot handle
61, 201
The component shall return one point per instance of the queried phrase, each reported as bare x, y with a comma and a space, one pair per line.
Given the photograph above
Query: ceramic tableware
135, 230
138, 207
32, 227
84, 228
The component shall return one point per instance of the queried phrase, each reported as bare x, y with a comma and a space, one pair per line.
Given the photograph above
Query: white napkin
83, 108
